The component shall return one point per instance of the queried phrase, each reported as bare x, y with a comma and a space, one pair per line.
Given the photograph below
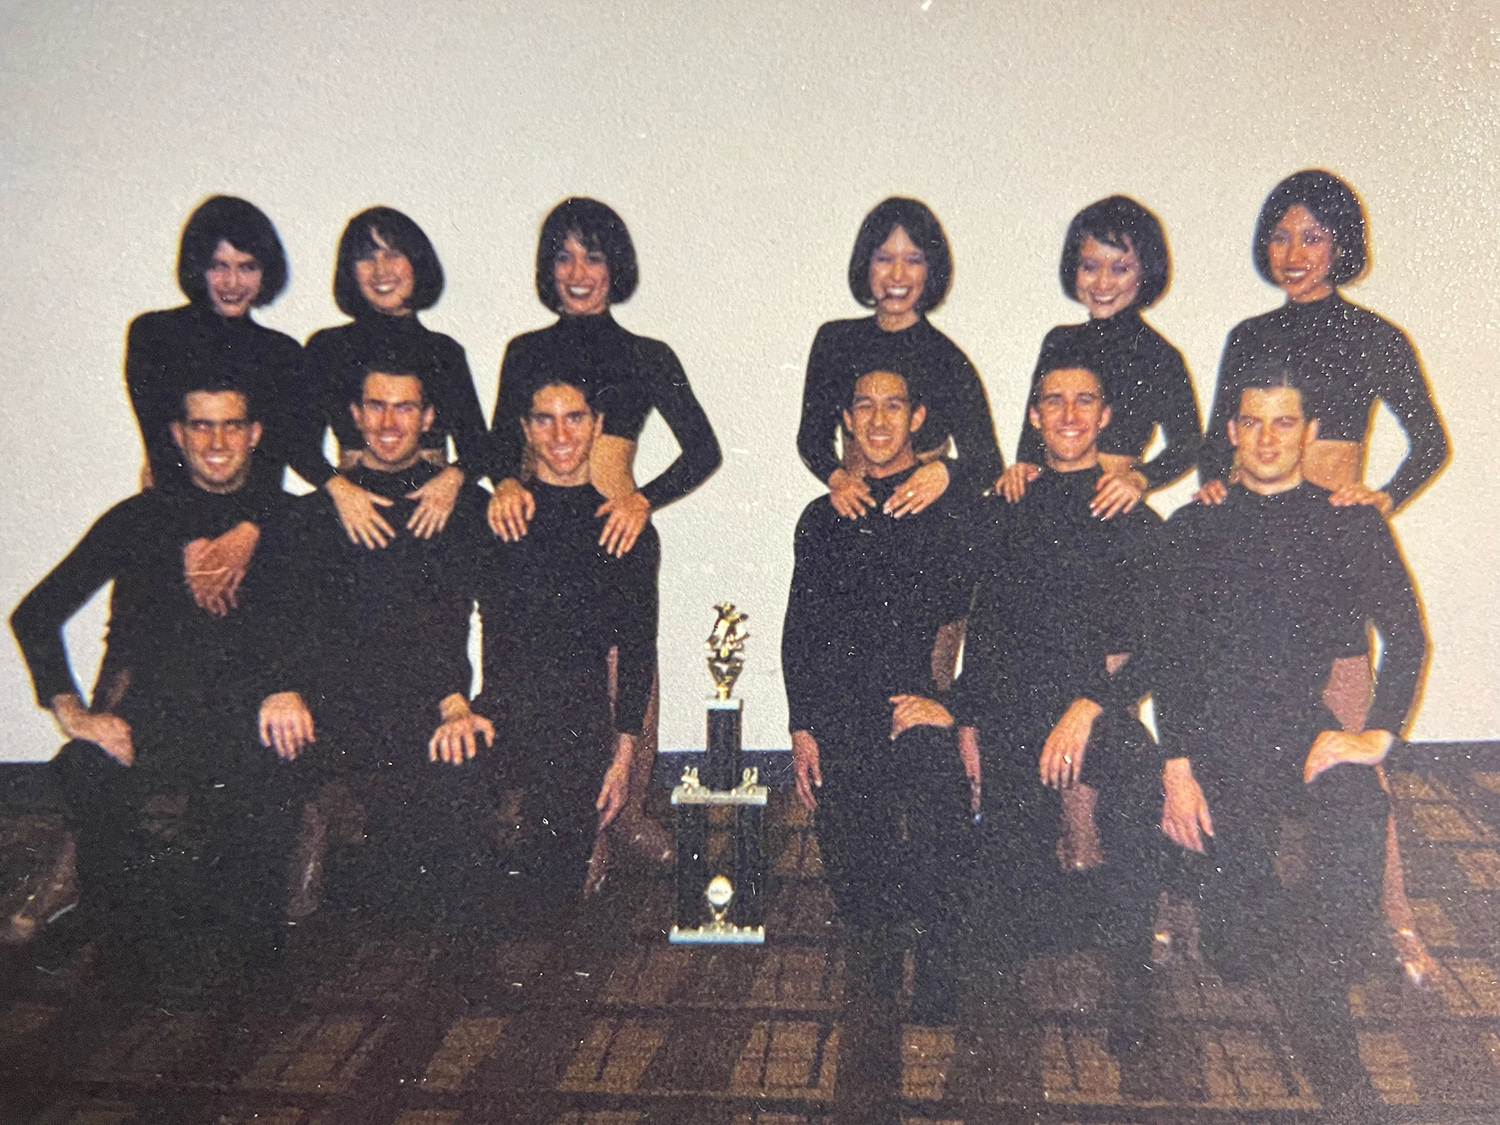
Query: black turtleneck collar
883, 488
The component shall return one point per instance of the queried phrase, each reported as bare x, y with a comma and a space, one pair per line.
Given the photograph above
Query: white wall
743, 145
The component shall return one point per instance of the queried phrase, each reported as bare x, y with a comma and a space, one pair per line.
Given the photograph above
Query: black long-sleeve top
388, 625
554, 602
1147, 384
868, 597
167, 352
1259, 595
334, 361
938, 373
1349, 357
1060, 591
627, 376
174, 656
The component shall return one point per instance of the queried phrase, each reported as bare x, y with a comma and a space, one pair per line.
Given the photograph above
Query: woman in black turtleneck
585, 262
902, 267
1115, 263
230, 261
387, 272
1309, 240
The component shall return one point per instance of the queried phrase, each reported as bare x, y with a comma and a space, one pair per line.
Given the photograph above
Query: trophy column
735, 908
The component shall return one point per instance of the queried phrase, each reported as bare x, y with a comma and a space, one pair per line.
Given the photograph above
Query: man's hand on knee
286, 725
805, 767
1335, 747
457, 739
108, 732
1184, 813
616, 788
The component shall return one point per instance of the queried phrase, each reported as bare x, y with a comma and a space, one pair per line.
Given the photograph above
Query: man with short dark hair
872, 747
1262, 594
554, 603
174, 809
1048, 691
367, 650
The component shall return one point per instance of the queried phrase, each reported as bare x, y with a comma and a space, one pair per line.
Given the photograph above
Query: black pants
187, 837
1031, 904
894, 829
1307, 929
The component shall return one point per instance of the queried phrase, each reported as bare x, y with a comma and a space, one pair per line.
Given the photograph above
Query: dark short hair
215, 385
913, 391
1078, 353
400, 234
1121, 222
559, 381
1334, 204
226, 218
922, 227
598, 228
394, 364
1273, 373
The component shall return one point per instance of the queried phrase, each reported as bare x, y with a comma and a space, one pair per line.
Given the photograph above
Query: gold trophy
718, 789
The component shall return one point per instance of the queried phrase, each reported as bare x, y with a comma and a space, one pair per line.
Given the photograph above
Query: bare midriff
612, 466
1333, 464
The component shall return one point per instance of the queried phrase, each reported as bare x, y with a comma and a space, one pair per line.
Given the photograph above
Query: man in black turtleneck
1046, 699
368, 655
1262, 594
872, 747
554, 603
172, 805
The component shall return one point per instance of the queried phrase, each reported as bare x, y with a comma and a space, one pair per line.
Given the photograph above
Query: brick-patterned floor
616, 1027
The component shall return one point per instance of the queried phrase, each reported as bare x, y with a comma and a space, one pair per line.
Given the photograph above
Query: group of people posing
285, 673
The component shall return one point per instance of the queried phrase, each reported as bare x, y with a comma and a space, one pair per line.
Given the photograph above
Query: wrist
1174, 769
453, 707
624, 751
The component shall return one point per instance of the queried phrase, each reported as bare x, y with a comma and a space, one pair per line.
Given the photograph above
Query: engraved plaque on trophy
735, 906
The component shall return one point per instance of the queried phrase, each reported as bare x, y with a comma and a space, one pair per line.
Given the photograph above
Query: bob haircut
227, 218
1121, 222
923, 228
401, 235
598, 228
1334, 204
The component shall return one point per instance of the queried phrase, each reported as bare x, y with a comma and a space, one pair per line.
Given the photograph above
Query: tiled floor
615, 1027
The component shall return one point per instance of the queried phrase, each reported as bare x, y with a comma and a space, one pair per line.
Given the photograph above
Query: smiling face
1300, 254
216, 438
233, 278
1069, 413
582, 277
385, 277
1270, 435
898, 276
882, 421
561, 427
392, 417
1109, 279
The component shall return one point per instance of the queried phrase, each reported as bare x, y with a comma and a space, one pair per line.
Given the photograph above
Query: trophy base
718, 933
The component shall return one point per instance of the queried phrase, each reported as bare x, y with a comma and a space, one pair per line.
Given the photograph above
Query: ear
1311, 435
918, 416
848, 421
1104, 417
429, 415
177, 438
255, 432
598, 425
1234, 434
1035, 416
354, 412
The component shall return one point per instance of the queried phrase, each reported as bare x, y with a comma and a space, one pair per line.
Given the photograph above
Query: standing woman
901, 267
387, 272
1309, 240
1115, 264
585, 262
230, 261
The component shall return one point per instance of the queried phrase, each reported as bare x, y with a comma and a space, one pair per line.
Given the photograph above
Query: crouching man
1276, 805
873, 748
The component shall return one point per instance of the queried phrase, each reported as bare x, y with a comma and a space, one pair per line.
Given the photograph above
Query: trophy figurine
718, 788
